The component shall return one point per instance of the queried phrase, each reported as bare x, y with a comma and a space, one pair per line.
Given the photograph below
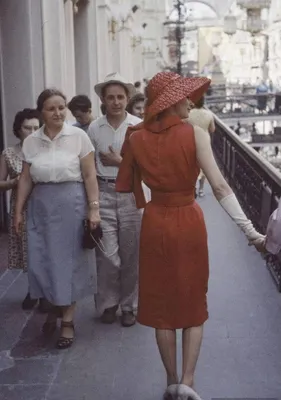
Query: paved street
240, 357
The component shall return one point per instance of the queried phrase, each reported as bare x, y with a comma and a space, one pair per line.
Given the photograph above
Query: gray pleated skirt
59, 269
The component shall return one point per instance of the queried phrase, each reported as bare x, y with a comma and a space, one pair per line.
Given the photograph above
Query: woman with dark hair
167, 152
136, 105
26, 122
59, 185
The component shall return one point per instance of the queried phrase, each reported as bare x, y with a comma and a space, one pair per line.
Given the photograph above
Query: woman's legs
167, 345
191, 344
67, 316
67, 327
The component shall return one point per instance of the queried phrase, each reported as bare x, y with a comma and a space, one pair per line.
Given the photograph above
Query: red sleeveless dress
174, 268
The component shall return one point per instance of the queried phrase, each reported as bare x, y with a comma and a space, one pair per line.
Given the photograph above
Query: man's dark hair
26, 113
80, 102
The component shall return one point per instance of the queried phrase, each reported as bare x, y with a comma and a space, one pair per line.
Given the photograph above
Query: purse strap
99, 244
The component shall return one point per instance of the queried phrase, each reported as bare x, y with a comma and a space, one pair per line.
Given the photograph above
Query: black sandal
63, 342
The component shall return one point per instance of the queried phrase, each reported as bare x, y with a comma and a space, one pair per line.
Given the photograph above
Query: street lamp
176, 33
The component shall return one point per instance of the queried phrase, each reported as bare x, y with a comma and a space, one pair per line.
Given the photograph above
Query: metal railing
256, 183
239, 104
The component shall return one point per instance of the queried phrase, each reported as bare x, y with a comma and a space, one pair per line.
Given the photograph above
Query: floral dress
17, 244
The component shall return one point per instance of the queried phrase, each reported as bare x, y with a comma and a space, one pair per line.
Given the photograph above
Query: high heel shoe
171, 392
185, 392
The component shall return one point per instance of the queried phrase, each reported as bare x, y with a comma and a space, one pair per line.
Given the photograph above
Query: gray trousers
117, 265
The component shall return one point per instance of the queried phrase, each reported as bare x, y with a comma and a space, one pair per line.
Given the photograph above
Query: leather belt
106, 180
172, 199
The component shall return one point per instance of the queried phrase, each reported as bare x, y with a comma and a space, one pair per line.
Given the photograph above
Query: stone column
69, 9
86, 51
54, 44
103, 39
21, 66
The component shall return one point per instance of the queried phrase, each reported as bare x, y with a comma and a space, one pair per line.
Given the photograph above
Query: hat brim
179, 89
129, 86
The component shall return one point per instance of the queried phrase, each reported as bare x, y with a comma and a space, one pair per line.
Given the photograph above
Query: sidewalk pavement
240, 356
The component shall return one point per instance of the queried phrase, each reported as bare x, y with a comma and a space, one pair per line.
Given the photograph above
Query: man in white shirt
117, 263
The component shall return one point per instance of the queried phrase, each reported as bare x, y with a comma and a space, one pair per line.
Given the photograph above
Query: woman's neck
51, 131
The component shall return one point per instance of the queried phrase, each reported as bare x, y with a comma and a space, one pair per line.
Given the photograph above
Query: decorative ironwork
255, 182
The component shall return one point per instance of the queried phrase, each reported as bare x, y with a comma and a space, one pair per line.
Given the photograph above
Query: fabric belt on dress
172, 199
106, 180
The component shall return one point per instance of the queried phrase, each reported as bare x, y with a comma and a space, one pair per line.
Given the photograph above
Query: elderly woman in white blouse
59, 184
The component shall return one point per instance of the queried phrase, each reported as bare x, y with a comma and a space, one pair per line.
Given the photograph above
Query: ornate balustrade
239, 104
256, 183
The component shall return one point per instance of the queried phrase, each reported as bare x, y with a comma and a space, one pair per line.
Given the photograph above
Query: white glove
231, 205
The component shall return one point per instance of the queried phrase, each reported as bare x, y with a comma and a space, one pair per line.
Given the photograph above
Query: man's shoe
109, 315
128, 319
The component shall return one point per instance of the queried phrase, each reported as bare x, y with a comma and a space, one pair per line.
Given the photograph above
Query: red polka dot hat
166, 89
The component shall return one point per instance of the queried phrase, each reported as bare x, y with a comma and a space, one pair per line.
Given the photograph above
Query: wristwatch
94, 203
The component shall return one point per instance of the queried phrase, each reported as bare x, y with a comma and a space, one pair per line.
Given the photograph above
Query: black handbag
91, 237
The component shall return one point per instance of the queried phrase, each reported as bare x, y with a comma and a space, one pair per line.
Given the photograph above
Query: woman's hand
94, 218
14, 182
18, 223
259, 244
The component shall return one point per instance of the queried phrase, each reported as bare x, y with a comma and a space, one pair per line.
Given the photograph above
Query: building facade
71, 45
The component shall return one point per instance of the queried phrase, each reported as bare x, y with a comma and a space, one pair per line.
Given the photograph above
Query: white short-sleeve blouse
56, 160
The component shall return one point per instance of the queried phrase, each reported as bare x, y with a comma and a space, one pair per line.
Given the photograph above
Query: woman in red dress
167, 154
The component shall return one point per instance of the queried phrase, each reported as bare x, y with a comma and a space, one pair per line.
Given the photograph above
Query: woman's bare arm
222, 190
208, 164
88, 170
5, 183
24, 188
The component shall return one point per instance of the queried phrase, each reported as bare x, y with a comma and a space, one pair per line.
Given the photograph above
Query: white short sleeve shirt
103, 135
56, 160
